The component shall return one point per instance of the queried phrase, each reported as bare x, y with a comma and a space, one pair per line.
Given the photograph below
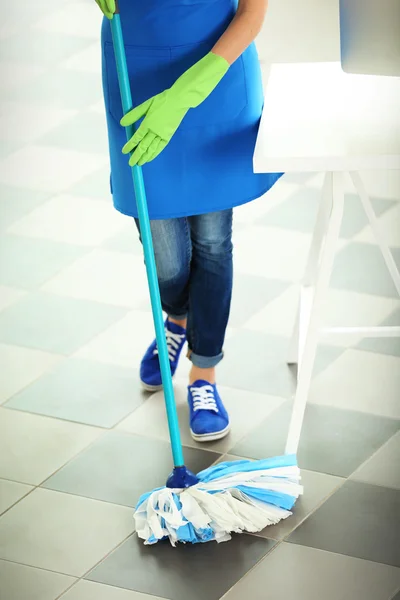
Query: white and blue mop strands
229, 497
232, 497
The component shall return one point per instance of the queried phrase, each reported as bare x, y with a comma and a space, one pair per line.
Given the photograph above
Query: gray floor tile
121, 467
251, 294
298, 573
384, 345
299, 212
19, 582
32, 448
245, 408
84, 391
28, 263
333, 441
16, 202
361, 268
11, 492
62, 533
358, 520
257, 362
86, 131
55, 324
382, 468
90, 590
184, 573
317, 487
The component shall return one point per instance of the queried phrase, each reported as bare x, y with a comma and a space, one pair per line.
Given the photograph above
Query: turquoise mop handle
147, 242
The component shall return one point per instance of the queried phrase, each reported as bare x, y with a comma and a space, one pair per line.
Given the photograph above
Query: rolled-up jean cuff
205, 362
178, 317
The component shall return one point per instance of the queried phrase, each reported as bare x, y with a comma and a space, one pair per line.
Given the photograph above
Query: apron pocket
149, 71
154, 69
225, 102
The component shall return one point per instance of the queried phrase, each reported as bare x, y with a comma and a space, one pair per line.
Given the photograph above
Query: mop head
232, 497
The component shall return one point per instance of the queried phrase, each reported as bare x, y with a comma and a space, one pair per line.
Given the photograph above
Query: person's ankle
181, 322
197, 374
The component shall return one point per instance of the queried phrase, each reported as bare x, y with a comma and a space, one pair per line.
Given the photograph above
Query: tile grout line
270, 551
53, 418
316, 507
373, 456
395, 594
15, 562
82, 577
60, 359
38, 486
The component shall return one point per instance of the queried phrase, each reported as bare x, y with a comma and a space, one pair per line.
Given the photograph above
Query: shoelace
203, 398
174, 341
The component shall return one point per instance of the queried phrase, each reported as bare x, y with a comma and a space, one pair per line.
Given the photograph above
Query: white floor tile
123, 343
278, 316
111, 277
20, 367
246, 410
11, 492
90, 590
14, 74
251, 212
89, 60
72, 219
271, 252
34, 447
48, 169
8, 296
23, 123
360, 381
77, 18
21, 582
61, 532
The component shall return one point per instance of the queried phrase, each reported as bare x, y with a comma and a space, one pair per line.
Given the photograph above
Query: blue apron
208, 165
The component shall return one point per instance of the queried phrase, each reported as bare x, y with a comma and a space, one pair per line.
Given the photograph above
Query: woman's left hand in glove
164, 113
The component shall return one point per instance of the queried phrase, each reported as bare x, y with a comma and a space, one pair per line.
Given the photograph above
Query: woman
196, 87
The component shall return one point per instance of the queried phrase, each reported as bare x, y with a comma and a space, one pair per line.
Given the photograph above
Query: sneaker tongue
201, 383
174, 328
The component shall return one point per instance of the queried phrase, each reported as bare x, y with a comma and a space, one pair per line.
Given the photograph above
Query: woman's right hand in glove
107, 7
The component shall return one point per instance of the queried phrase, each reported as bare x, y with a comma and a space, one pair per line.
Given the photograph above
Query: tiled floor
79, 441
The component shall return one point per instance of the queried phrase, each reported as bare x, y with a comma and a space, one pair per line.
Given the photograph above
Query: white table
317, 118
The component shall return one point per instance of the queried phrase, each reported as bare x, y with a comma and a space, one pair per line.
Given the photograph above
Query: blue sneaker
150, 373
209, 420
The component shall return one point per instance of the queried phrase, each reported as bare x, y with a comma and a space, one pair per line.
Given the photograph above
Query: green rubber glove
163, 113
107, 7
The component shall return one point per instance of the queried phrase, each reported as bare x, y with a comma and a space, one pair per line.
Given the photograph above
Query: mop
230, 497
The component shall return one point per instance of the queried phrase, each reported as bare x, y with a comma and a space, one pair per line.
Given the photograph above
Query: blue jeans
195, 271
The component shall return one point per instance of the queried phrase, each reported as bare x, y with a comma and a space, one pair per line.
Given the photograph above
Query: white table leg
310, 274
380, 240
327, 256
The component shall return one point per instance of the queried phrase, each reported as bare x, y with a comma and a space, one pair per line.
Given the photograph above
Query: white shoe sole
210, 437
151, 388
